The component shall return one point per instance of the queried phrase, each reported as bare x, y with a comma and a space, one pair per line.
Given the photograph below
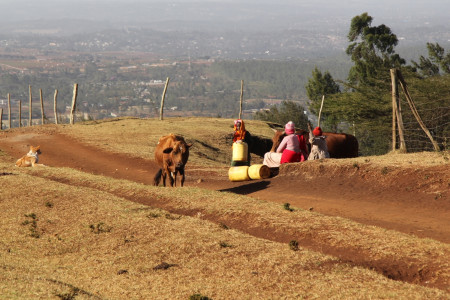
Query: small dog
30, 159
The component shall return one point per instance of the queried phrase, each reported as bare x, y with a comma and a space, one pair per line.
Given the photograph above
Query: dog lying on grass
30, 159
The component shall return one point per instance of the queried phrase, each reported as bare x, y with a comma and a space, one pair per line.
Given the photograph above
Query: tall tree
367, 107
371, 49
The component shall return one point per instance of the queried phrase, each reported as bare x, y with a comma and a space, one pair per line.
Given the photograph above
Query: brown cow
171, 154
340, 145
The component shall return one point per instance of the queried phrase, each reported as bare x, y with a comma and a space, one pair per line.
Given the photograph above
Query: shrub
100, 228
198, 297
288, 207
293, 245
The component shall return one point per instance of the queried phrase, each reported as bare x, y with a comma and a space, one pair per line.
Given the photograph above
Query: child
319, 148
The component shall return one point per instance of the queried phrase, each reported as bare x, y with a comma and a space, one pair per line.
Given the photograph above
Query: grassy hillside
66, 234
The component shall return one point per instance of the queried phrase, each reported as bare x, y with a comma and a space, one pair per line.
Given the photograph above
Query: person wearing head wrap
240, 135
319, 148
239, 130
291, 149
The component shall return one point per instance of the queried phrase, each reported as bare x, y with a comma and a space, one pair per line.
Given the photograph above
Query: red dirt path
403, 203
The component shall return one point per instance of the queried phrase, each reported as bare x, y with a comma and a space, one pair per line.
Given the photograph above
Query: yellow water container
258, 171
240, 151
238, 173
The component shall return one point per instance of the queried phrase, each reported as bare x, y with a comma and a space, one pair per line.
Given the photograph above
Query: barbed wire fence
425, 114
436, 117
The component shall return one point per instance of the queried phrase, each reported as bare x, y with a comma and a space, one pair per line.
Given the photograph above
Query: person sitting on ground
291, 149
242, 135
319, 148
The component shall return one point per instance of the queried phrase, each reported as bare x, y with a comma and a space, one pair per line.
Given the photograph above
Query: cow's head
177, 156
277, 138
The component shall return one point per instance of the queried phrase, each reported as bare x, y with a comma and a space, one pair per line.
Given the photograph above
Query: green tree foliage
436, 63
368, 122
285, 112
320, 85
371, 49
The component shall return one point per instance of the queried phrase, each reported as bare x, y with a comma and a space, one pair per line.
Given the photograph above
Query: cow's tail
157, 178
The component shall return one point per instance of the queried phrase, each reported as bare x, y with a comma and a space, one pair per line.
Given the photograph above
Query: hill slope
406, 193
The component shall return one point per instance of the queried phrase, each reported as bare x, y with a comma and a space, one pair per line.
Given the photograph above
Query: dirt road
403, 203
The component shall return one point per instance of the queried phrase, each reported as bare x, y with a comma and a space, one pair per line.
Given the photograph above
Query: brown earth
407, 199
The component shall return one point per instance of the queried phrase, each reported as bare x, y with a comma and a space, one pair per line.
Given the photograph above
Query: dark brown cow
171, 154
340, 145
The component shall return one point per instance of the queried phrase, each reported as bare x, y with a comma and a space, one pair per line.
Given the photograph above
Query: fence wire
435, 114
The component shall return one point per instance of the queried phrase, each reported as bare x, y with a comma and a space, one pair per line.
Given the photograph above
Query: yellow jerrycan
258, 171
240, 151
238, 173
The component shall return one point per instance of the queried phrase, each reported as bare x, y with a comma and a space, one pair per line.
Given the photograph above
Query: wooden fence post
161, 110
42, 107
74, 103
397, 118
9, 110
1, 118
320, 111
414, 110
20, 113
54, 106
30, 118
394, 109
242, 96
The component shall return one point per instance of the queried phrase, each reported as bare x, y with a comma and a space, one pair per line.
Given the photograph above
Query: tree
285, 112
371, 49
318, 86
436, 63
366, 105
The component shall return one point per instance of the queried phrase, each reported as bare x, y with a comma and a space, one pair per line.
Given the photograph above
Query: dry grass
395, 159
118, 261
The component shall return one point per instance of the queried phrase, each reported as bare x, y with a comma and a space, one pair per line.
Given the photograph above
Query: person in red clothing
291, 149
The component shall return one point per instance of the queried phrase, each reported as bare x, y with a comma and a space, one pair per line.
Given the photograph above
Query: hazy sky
388, 8
230, 14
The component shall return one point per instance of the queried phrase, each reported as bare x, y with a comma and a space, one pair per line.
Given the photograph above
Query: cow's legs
157, 178
164, 175
182, 176
173, 178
